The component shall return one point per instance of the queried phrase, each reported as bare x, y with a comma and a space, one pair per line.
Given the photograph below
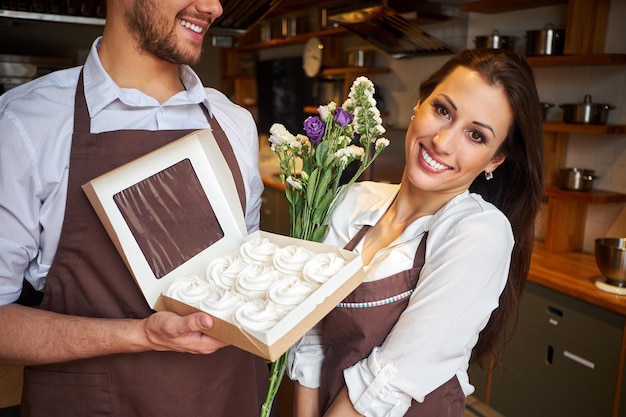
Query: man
93, 346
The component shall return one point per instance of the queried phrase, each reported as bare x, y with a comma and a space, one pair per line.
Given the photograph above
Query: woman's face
455, 133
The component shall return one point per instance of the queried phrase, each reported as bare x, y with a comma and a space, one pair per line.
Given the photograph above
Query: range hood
240, 15
383, 24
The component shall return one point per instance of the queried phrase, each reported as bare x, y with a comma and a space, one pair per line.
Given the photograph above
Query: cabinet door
580, 382
274, 211
519, 382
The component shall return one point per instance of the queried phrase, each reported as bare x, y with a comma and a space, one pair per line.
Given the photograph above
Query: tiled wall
605, 154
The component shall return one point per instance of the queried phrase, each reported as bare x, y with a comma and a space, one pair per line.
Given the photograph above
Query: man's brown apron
363, 320
89, 278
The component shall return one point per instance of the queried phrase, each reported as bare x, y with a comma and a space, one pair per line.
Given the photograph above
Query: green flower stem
277, 370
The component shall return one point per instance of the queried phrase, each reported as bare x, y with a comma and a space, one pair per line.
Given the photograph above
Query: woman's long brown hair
517, 186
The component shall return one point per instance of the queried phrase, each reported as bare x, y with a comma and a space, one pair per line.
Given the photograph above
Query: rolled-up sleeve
372, 392
304, 363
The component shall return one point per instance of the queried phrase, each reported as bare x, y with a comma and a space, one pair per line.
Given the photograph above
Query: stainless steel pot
576, 179
586, 112
496, 41
548, 41
360, 57
544, 110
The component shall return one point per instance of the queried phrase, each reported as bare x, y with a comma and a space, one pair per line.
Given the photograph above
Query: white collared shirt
36, 125
467, 261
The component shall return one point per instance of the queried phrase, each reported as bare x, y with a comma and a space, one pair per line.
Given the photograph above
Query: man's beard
154, 35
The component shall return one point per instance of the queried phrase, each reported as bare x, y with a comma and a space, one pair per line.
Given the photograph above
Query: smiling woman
446, 251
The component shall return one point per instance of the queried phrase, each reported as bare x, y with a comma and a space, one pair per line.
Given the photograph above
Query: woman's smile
429, 162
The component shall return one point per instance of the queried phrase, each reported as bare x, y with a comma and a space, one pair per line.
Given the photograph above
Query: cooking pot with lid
496, 41
586, 112
576, 179
544, 110
548, 41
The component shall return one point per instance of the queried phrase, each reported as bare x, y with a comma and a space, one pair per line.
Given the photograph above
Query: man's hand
167, 331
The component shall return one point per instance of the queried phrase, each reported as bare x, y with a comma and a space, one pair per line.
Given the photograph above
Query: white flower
281, 132
294, 183
380, 129
382, 143
349, 153
324, 112
276, 140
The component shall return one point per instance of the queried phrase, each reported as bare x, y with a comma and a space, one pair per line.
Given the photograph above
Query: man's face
172, 30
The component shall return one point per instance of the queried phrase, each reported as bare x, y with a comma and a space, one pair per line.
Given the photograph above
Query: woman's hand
166, 331
342, 406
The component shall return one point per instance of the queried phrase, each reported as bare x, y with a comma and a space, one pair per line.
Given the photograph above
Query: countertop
573, 274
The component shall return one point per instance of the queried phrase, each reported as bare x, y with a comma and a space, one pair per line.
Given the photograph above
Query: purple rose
314, 128
342, 117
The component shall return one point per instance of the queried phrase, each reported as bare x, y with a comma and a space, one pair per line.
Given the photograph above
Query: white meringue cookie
254, 280
291, 259
258, 315
322, 266
290, 291
221, 303
223, 271
189, 289
258, 250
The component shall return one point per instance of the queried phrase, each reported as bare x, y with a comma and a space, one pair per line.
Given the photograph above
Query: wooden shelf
502, 6
51, 17
574, 60
586, 197
584, 128
335, 71
291, 40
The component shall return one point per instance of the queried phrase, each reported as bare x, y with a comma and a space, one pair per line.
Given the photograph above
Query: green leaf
289, 195
312, 184
322, 208
322, 186
319, 233
320, 153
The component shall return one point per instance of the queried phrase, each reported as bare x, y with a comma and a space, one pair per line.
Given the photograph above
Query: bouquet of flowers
334, 138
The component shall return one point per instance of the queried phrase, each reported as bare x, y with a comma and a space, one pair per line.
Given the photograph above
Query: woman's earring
412, 117
488, 175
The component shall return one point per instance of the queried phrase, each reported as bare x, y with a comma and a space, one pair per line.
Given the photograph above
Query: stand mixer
610, 255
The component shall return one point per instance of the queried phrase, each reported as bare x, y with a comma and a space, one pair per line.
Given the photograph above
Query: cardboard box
192, 173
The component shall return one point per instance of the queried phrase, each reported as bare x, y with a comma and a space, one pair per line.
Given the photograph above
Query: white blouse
466, 268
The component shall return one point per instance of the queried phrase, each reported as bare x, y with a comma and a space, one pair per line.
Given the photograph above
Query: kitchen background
606, 154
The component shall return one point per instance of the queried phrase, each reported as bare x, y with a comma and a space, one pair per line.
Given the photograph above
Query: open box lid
142, 205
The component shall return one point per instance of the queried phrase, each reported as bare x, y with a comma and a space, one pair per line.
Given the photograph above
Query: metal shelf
49, 17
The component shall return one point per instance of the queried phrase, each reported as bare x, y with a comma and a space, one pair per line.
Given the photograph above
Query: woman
445, 252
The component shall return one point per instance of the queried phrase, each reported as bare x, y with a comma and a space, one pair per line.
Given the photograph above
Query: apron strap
357, 238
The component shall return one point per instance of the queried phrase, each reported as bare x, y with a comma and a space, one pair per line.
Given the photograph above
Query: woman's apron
362, 322
89, 278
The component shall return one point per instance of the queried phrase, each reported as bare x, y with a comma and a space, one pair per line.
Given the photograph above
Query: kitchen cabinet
274, 211
567, 210
235, 77
563, 361
585, 29
585, 33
